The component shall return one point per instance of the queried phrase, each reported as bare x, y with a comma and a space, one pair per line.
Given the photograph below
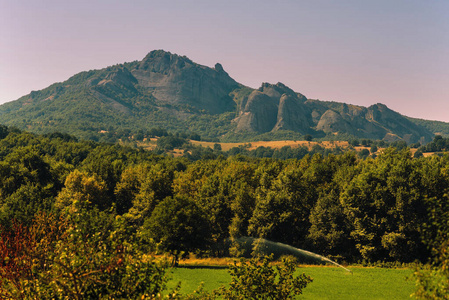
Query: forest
90, 211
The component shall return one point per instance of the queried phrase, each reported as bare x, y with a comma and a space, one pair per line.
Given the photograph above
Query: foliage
55, 258
438, 144
82, 191
433, 280
436, 127
178, 225
256, 279
432, 283
170, 142
390, 208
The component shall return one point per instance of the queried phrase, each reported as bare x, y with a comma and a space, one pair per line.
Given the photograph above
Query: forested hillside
436, 127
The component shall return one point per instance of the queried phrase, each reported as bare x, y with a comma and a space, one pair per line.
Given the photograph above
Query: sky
361, 52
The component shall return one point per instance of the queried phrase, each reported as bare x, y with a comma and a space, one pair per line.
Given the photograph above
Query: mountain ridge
171, 91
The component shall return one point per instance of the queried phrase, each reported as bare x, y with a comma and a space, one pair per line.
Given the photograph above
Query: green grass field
328, 282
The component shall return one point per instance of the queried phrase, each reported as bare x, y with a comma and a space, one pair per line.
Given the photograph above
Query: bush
54, 258
255, 279
170, 142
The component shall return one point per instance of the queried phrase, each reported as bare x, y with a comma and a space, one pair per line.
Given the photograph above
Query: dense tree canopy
389, 208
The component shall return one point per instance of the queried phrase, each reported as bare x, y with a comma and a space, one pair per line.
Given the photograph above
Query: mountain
171, 91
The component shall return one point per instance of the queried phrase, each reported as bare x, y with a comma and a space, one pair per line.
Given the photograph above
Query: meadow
328, 282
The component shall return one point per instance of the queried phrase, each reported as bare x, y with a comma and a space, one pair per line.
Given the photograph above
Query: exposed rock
218, 67
332, 122
397, 124
374, 122
274, 107
293, 115
276, 90
176, 79
122, 76
259, 114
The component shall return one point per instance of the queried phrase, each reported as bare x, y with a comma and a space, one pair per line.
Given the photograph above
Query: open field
151, 144
328, 282
274, 144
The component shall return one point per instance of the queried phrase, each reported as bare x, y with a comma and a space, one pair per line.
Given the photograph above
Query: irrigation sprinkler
260, 246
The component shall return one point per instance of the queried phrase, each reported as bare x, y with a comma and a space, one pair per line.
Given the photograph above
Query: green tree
432, 281
142, 187
82, 190
170, 142
384, 203
178, 226
330, 230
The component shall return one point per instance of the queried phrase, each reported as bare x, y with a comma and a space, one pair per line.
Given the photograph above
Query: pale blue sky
363, 52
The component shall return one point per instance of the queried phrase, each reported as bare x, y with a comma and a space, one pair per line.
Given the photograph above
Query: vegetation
439, 144
62, 199
436, 127
265, 281
328, 282
63, 258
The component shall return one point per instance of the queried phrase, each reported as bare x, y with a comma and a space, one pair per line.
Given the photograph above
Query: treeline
181, 141
341, 206
439, 144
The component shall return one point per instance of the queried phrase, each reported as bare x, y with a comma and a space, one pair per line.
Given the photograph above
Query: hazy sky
356, 51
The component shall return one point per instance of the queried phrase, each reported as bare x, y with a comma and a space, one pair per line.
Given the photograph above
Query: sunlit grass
328, 282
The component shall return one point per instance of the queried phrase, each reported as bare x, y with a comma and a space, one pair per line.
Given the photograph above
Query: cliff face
259, 113
176, 79
293, 115
374, 122
277, 107
272, 108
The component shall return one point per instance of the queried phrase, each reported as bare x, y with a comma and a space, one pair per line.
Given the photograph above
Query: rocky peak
121, 75
276, 90
160, 61
218, 67
177, 80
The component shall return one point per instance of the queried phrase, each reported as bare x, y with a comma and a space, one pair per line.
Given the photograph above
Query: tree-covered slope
436, 127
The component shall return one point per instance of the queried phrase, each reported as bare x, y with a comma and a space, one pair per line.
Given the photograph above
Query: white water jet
263, 246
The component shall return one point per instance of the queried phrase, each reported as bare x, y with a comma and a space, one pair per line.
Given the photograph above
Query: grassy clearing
275, 144
329, 282
151, 144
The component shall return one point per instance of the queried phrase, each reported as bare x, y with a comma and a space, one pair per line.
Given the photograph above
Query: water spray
263, 246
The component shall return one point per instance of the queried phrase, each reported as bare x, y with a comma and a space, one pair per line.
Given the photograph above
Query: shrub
257, 279
55, 258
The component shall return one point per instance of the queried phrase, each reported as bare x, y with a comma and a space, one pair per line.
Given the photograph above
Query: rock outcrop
275, 107
272, 108
259, 113
332, 122
293, 115
176, 79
